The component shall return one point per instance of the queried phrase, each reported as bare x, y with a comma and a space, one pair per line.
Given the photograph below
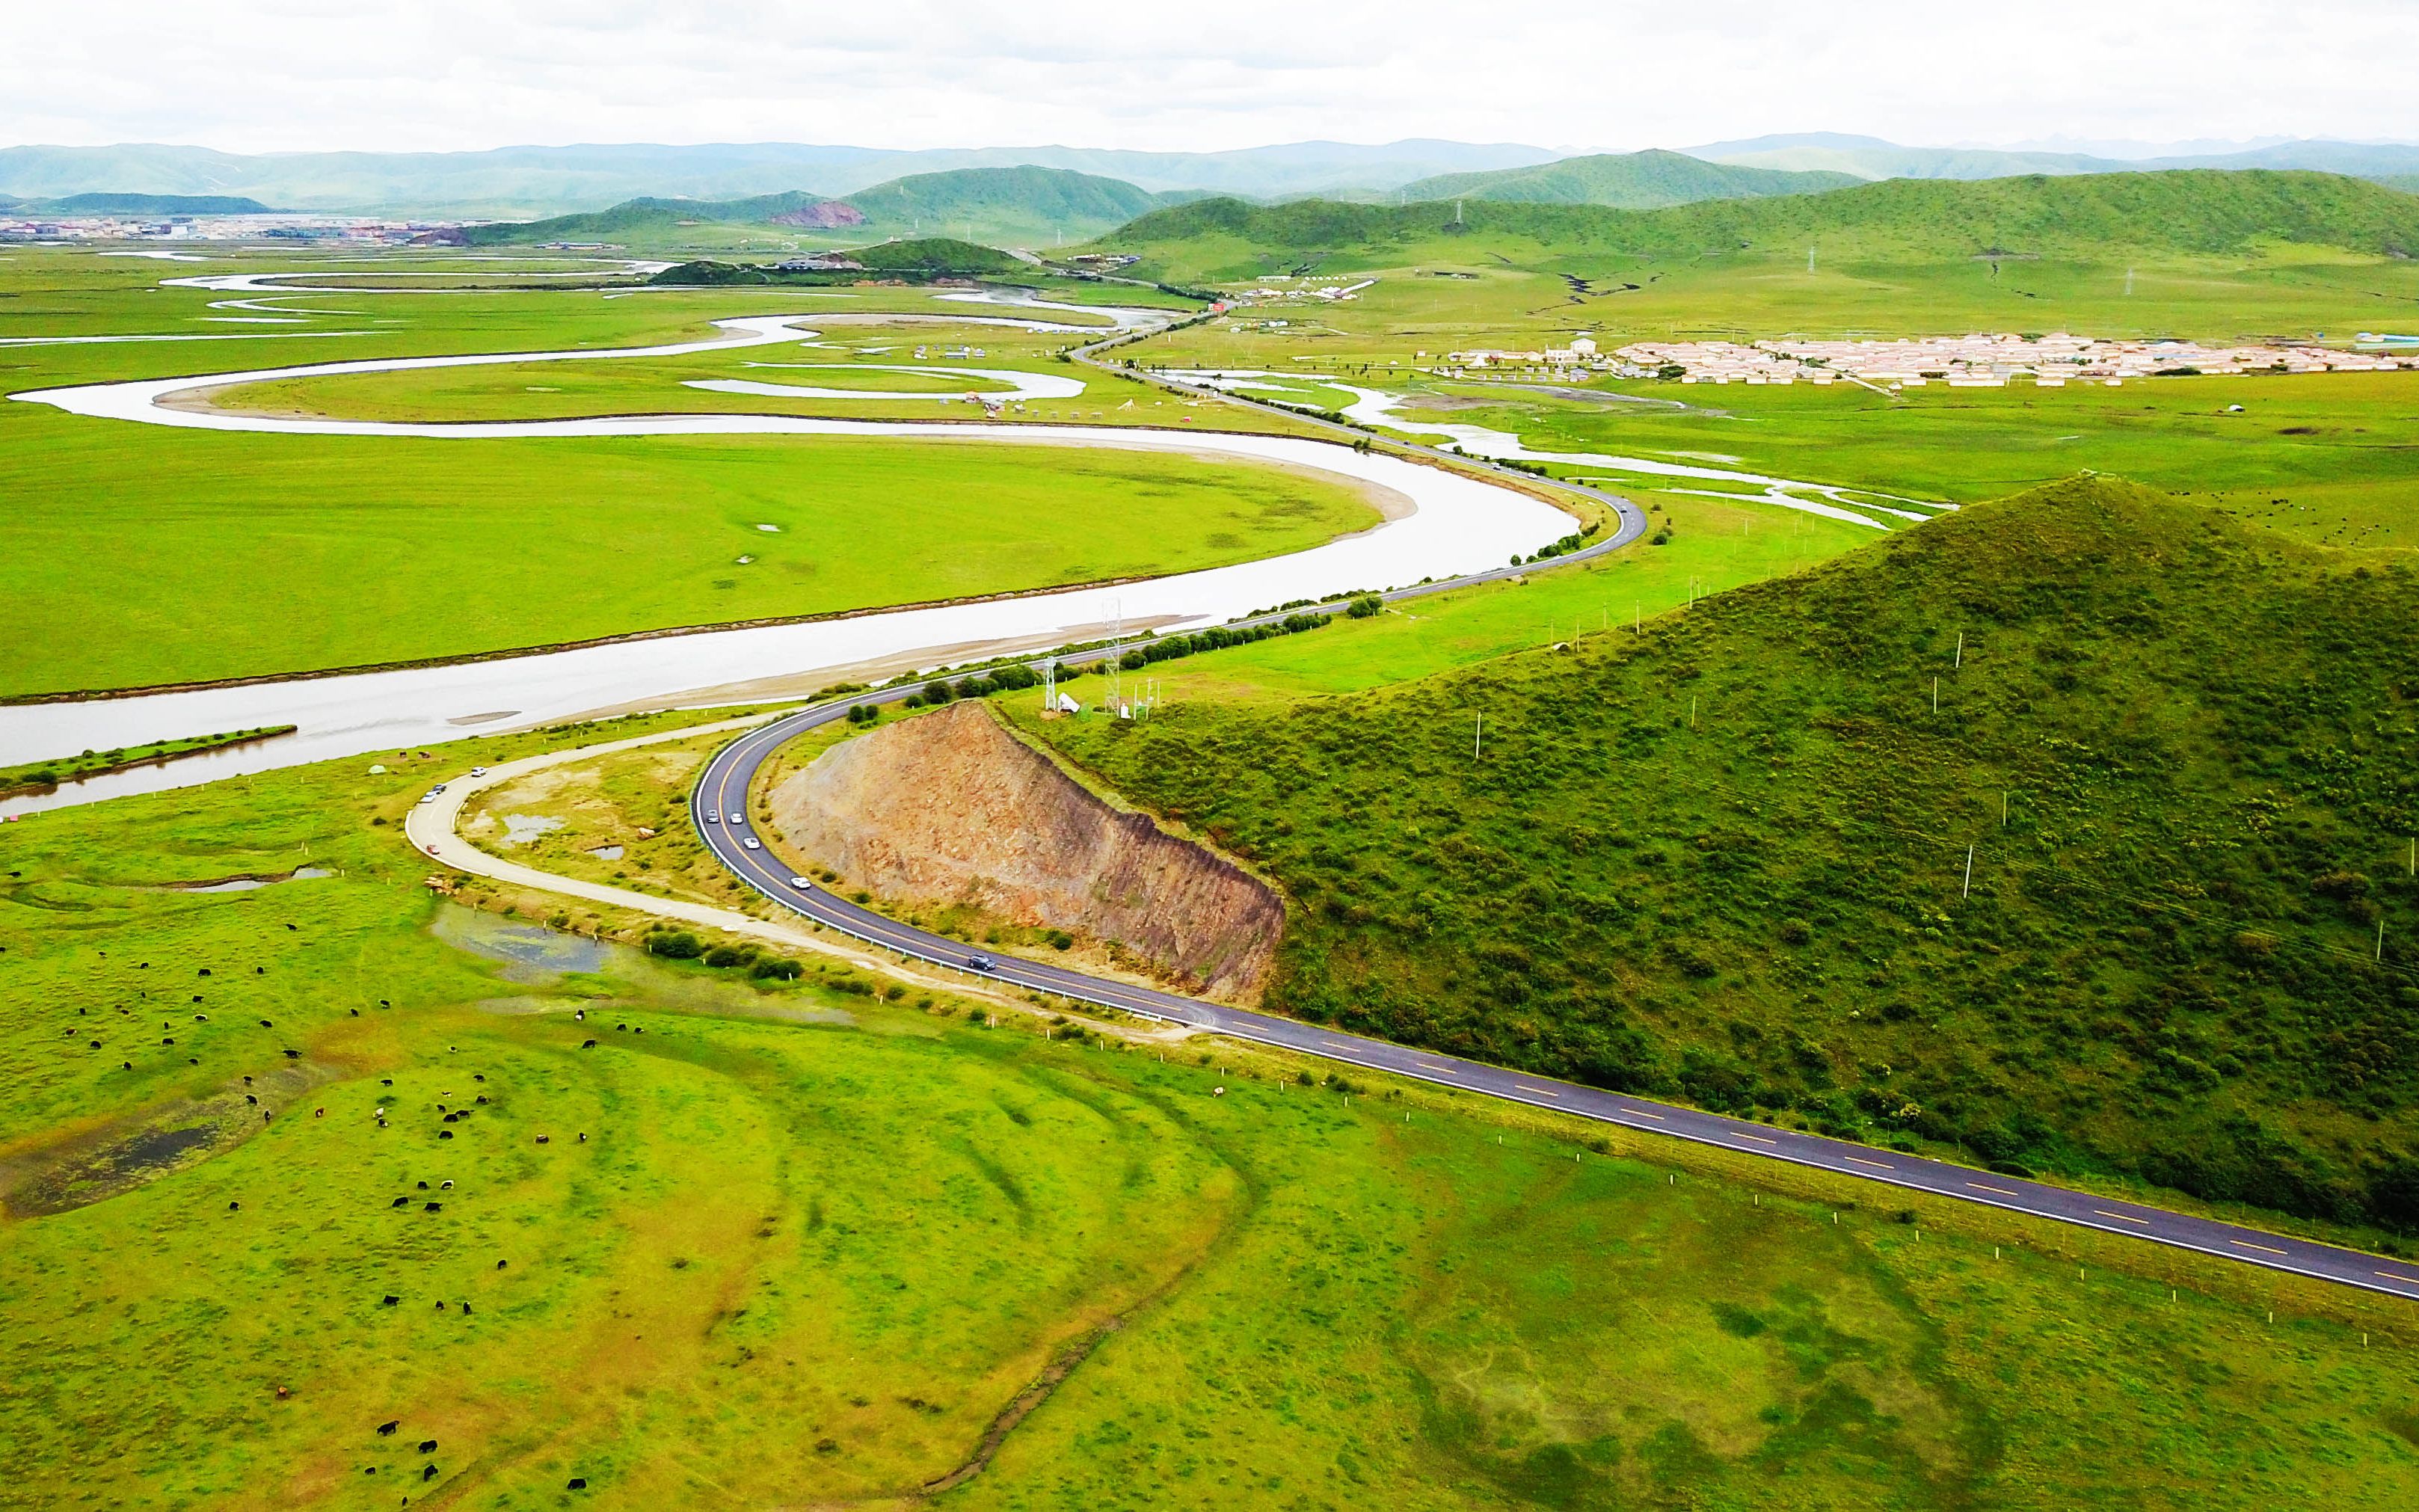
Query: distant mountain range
1869, 156
1629, 181
1034, 198
513, 182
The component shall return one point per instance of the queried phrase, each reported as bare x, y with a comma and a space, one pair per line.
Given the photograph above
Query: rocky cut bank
951, 810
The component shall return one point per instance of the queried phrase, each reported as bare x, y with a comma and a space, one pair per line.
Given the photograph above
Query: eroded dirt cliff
951, 810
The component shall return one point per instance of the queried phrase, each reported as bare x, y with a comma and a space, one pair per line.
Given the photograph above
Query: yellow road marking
1758, 1138
1447, 1071
2406, 1280
2122, 1217
1541, 1091
1857, 1160
2000, 1190
2262, 1248
1643, 1113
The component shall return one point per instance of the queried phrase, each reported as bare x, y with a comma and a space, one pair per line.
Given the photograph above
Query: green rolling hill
1022, 206
1624, 180
1726, 860
103, 204
2090, 215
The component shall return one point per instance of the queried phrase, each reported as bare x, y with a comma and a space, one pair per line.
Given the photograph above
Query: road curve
724, 786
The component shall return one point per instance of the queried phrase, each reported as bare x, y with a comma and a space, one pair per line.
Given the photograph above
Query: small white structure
1067, 705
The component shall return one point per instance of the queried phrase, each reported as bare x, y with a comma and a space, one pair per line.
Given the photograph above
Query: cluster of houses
1984, 361
22, 224
1580, 354
1288, 287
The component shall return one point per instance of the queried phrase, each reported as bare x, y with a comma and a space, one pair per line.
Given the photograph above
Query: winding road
728, 779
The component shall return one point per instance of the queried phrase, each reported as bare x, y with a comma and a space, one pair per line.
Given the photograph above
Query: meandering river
1455, 524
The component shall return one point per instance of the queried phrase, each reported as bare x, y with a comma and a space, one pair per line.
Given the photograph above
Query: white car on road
802, 885
750, 843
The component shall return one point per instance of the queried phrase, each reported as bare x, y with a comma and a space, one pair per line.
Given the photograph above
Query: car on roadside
478, 771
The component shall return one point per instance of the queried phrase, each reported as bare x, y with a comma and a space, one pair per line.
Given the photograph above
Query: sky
1577, 74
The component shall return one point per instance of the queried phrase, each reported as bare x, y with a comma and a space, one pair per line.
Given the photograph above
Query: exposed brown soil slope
951, 810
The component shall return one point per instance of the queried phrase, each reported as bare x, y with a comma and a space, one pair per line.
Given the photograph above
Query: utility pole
1477, 733
1961, 652
1969, 890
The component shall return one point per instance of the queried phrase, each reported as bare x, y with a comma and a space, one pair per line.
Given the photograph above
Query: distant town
1978, 361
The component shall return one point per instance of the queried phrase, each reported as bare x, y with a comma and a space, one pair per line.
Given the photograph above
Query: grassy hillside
1626, 181
148, 205
786, 1242
2094, 214
939, 201
1023, 205
1726, 860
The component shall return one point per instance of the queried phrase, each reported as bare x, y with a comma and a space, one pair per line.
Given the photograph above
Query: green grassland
190, 556
1725, 859
787, 1241
1714, 545
2324, 457
543, 390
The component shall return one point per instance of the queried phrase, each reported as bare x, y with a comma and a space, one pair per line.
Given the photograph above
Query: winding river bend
1455, 524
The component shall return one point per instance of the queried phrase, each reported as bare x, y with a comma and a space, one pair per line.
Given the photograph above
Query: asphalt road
723, 789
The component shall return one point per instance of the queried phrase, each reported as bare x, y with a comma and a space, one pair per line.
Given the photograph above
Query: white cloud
1610, 74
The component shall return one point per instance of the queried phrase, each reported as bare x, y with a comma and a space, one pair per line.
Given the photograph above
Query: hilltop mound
1726, 860
1624, 180
2089, 214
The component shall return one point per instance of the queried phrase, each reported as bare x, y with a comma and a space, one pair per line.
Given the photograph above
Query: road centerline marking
2000, 1191
1858, 1160
2262, 1248
2122, 1217
1741, 1133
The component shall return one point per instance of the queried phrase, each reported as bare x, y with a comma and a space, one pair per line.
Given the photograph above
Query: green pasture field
336, 551
1522, 296
788, 1242
546, 391
1715, 544
2324, 457
186, 556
